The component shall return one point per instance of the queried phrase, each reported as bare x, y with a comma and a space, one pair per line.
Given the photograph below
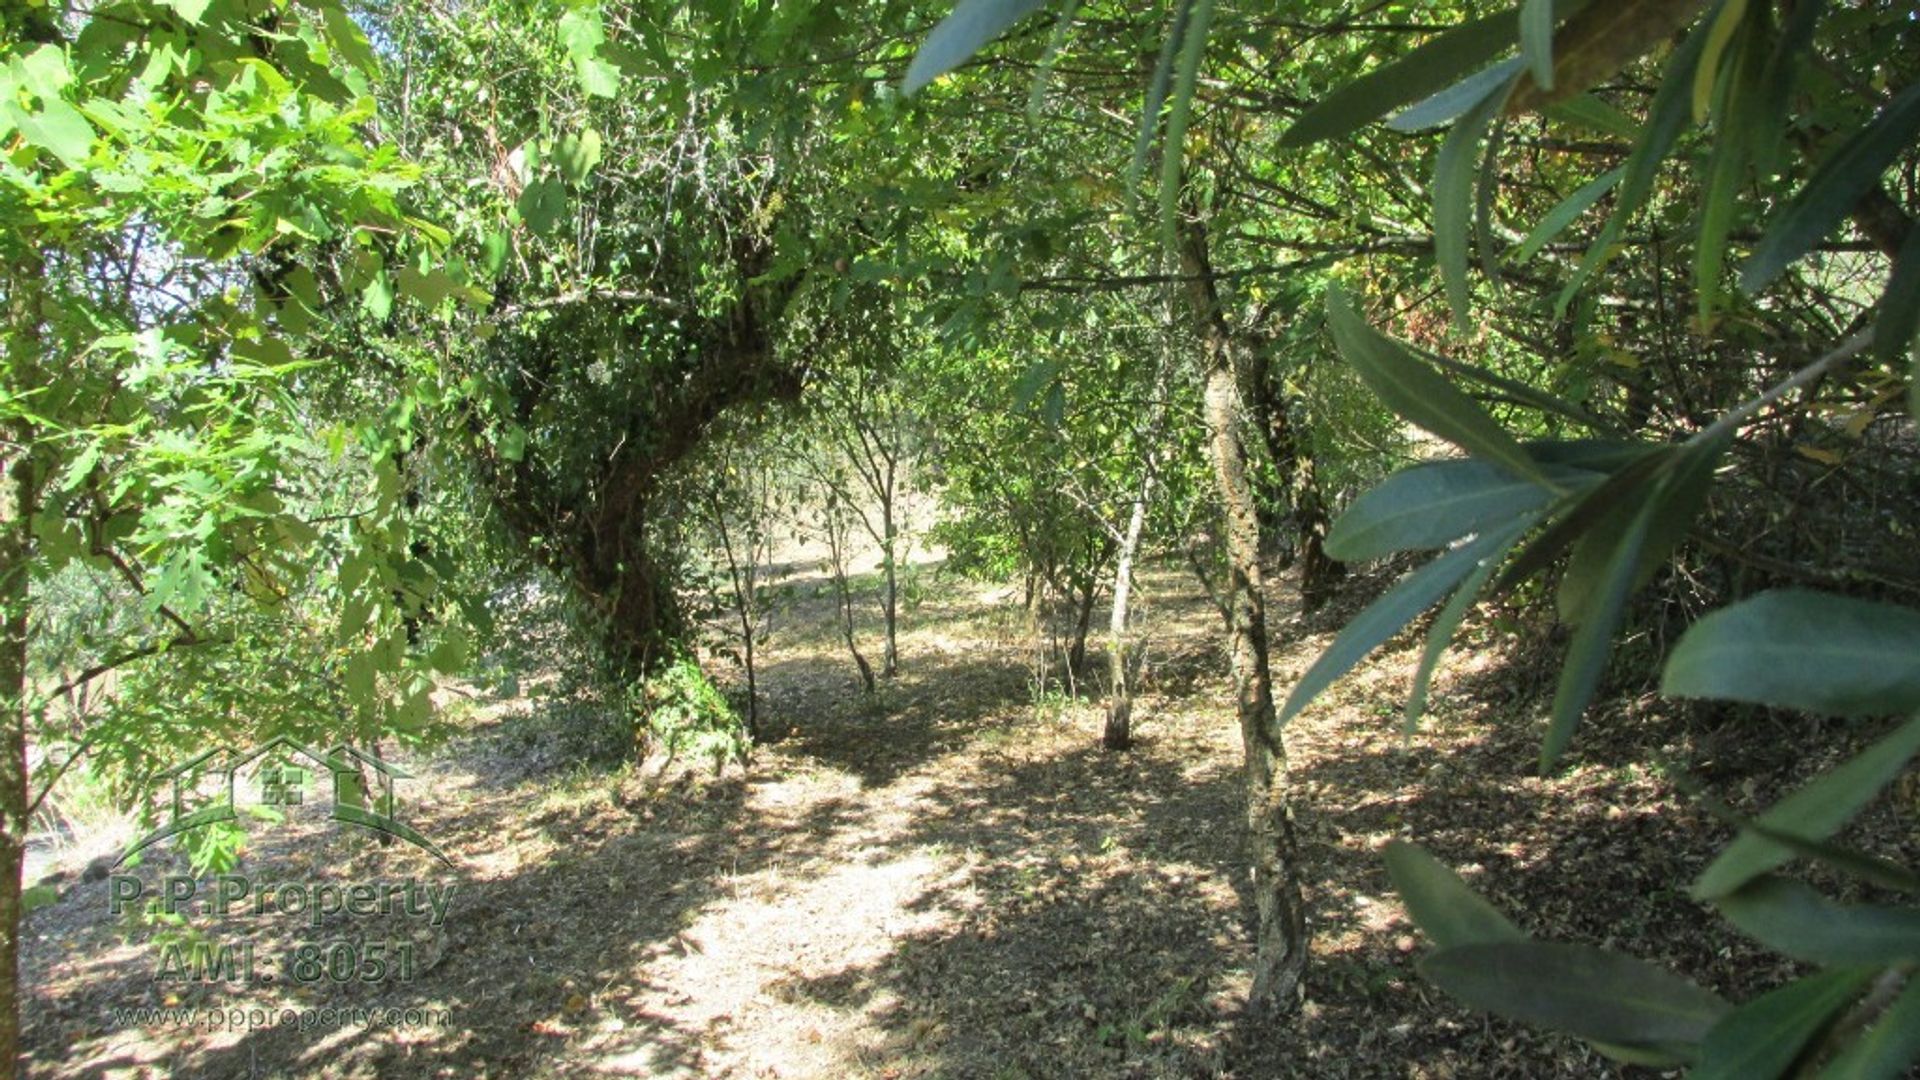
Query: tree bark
1295, 502
889, 544
1118, 734
1121, 661
18, 493
1280, 935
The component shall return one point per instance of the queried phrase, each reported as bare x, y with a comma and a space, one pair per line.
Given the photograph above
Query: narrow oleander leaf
1580, 990
1591, 112
1798, 649
1889, 1048
1536, 40
1599, 40
968, 29
1453, 173
1455, 101
1815, 812
1157, 93
1793, 919
1720, 31
1564, 214
1666, 116
1675, 501
1173, 152
1593, 641
1444, 907
1435, 65
1763, 1038
1514, 390
1583, 511
1782, 75
1385, 617
1868, 868
1833, 190
1440, 634
1436, 503
1056, 44
1421, 395
1735, 128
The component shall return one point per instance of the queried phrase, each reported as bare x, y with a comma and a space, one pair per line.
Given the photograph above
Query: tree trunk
1296, 502
1089, 588
1121, 661
18, 489
837, 551
889, 546
1118, 734
1280, 936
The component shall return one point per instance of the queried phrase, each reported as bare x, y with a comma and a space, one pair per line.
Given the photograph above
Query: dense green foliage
327, 322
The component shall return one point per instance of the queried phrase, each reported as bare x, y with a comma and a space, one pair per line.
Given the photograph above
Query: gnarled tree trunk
1280, 936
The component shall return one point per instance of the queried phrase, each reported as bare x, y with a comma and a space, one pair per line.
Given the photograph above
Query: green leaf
970, 27
1888, 1048
1536, 40
1667, 114
1056, 44
1834, 189
1763, 1038
348, 38
1798, 649
1426, 70
1580, 990
1591, 112
1456, 100
1157, 88
1564, 214
512, 444
1815, 812
1601, 39
1385, 617
1727, 166
190, 10
1444, 907
377, 298
1453, 172
60, 130
1868, 868
1793, 919
1675, 499
44, 72
1720, 31
1900, 304
1420, 395
597, 78
1173, 153
450, 656
581, 32
493, 253
1593, 641
576, 155
1581, 511
1440, 634
1433, 504
543, 205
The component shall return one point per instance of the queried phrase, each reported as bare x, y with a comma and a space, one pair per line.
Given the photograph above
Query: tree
175, 261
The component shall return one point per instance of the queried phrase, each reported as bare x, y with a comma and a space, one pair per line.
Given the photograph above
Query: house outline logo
375, 811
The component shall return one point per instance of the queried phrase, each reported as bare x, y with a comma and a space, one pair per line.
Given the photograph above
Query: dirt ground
947, 878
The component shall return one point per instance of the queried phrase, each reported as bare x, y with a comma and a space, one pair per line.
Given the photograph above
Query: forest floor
945, 878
